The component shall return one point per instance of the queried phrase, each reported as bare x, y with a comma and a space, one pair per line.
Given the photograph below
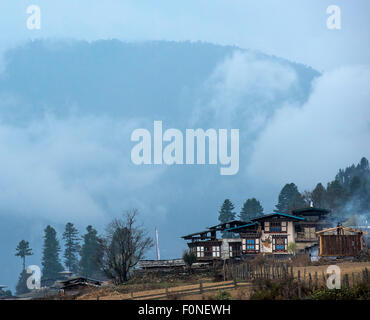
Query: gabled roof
76, 281
242, 226
197, 234
336, 229
223, 225
278, 214
310, 211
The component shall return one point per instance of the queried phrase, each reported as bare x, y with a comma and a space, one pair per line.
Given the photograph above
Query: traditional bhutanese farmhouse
315, 219
269, 234
207, 246
340, 241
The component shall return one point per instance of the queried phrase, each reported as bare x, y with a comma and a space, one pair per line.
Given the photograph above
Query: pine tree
251, 209
318, 196
91, 253
364, 164
72, 247
227, 214
51, 266
336, 195
289, 199
21, 287
23, 249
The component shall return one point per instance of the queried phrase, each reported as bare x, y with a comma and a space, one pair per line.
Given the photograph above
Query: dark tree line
113, 256
348, 194
77, 259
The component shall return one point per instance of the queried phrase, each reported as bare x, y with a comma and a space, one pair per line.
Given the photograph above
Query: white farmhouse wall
225, 247
266, 238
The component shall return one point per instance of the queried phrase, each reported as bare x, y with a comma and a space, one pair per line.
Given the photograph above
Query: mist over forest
67, 109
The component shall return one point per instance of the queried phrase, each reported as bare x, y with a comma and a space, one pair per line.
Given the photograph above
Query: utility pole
157, 245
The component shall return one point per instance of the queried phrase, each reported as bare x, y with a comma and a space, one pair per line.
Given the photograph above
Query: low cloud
248, 87
73, 168
308, 144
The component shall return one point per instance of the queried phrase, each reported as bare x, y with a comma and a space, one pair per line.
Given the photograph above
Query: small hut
340, 241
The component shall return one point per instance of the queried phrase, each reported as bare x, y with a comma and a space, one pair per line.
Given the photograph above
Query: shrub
359, 292
277, 289
189, 258
223, 295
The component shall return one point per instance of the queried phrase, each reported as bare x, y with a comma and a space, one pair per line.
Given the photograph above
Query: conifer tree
72, 247
23, 249
51, 265
227, 214
21, 287
319, 196
252, 209
91, 253
289, 199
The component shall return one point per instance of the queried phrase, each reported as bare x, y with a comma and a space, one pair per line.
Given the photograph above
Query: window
267, 226
244, 245
279, 244
276, 227
309, 233
216, 252
200, 252
251, 244
235, 249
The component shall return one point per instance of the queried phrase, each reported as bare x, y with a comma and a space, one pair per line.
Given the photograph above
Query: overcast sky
292, 29
283, 138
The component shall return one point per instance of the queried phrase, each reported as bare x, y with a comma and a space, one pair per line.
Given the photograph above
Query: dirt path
345, 267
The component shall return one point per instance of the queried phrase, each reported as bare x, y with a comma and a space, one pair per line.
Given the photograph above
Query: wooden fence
201, 288
248, 272
242, 275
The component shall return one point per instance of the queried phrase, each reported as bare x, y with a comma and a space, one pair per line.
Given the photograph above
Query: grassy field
173, 287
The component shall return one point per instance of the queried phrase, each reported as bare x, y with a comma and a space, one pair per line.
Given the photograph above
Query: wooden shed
340, 241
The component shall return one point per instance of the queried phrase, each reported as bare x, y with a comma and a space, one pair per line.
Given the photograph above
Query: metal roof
278, 214
244, 226
229, 222
310, 211
197, 233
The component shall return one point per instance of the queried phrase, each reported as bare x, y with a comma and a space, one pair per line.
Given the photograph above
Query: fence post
316, 281
366, 275
299, 285
200, 286
235, 283
353, 279
132, 295
309, 281
346, 280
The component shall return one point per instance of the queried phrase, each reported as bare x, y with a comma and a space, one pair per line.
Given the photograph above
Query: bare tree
124, 245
